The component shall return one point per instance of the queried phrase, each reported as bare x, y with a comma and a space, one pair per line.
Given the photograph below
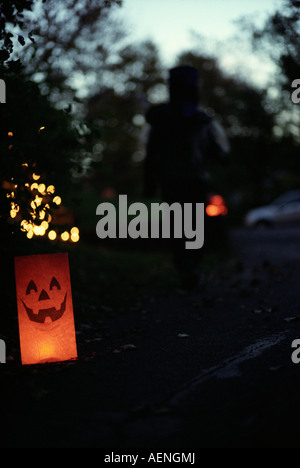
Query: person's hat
185, 75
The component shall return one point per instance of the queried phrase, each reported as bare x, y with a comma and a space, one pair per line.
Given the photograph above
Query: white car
285, 210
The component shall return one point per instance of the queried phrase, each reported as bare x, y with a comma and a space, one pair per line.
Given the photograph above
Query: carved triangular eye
31, 287
54, 284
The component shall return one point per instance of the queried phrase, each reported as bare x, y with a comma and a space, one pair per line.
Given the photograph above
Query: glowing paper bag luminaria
45, 308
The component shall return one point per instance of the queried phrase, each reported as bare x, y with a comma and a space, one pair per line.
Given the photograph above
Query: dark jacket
181, 139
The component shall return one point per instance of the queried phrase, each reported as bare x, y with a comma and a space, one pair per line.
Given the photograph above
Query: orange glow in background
216, 206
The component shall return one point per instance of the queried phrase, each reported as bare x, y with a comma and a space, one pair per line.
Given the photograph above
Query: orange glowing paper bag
45, 308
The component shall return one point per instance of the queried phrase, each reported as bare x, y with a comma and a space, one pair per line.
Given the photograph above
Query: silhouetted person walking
181, 139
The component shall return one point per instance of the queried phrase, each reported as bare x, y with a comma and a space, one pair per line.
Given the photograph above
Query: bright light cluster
42, 196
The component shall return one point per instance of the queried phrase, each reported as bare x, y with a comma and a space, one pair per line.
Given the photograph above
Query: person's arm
218, 142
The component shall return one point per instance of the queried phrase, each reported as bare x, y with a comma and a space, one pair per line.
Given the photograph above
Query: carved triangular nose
43, 296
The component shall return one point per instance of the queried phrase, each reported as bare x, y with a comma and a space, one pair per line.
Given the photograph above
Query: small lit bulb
52, 235
75, 234
42, 188
74, 237
42, 231
15, 207
36, 176
57, 200
34, 186
23, 225
30, 234
51, 189
38, 200
65, 236
36, 230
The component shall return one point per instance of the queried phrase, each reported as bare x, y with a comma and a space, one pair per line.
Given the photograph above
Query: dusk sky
170, 23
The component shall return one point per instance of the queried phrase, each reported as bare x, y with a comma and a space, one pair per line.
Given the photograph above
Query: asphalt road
183, 370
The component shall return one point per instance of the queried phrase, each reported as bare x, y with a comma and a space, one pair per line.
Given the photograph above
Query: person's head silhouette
183, 84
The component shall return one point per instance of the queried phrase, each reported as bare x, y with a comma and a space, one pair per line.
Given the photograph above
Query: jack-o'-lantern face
47, 305
45, 308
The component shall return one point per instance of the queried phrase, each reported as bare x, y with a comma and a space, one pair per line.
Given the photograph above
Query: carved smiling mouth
42, 314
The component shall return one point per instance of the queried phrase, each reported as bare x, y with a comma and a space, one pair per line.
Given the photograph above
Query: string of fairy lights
42, 199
